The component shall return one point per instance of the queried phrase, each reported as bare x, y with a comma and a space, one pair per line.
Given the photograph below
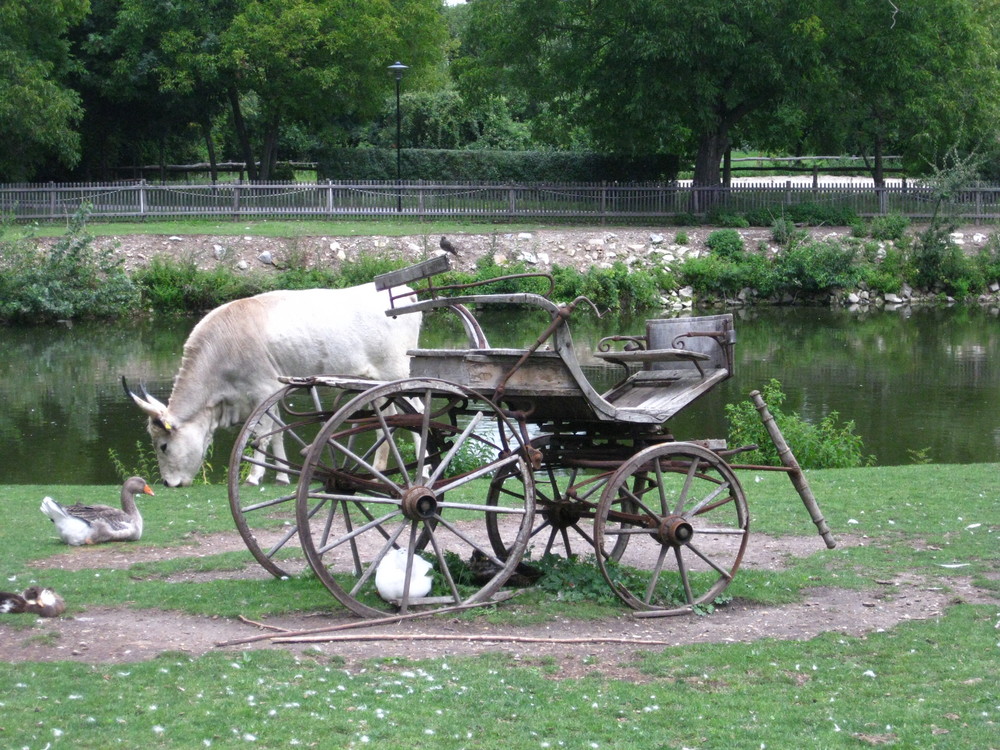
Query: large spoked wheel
394, 486
686, 515
565, 506
272, 445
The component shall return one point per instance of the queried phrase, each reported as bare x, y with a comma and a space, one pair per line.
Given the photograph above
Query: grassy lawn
304, 228
928, 683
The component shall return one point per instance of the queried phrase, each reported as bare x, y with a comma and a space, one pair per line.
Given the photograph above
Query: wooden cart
487, 457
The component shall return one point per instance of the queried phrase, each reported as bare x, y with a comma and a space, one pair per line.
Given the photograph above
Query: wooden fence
596, 202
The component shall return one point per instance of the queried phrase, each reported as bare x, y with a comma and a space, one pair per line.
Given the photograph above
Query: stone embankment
638, 248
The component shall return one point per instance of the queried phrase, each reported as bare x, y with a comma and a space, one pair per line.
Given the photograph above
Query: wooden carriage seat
682, 359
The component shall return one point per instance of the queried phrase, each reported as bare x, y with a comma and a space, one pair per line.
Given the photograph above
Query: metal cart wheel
686, 513
439, 442
565, 506
274, 439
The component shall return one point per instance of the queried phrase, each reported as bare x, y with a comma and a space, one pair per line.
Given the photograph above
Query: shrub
725, 243
817, 267
827, 445
72, 280
782, 230
890, 227
170, 285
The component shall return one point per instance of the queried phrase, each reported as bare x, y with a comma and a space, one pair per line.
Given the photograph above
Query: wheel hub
419, 503
673, 530
562, 515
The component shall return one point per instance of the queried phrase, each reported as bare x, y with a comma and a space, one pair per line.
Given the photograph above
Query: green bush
73, 280
890, 227
712, 275
827, 445
725, 243
817, 267
179, 286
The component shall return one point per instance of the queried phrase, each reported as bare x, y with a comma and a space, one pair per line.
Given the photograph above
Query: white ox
233, 357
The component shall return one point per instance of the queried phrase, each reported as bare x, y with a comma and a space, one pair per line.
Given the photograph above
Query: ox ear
151, 406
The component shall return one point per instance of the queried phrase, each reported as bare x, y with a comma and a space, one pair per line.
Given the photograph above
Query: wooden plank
424, 269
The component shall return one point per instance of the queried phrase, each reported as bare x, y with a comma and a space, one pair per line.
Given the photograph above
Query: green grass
304, 228
930, 683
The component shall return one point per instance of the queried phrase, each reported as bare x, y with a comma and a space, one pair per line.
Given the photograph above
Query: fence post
142, 198
788, 192
329, 197
883, 202
511, 201
604, 200
236, 200
52, 200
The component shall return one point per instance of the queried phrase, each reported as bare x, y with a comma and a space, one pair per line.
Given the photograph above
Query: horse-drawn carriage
486, 458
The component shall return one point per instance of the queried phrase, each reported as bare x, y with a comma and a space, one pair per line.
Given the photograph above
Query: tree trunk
707, 172
213, 166
269, 154
879, 176
711, 149
241, 133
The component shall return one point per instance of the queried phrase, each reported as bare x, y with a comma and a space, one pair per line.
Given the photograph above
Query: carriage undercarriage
487, 459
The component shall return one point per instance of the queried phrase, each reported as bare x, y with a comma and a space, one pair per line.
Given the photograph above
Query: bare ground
103, 635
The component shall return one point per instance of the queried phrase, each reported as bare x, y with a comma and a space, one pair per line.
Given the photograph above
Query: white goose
390, 576
93, 524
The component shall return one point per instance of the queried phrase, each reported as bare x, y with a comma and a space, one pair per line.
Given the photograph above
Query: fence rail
592, 202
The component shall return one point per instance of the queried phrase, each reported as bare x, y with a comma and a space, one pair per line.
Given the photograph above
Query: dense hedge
494, 166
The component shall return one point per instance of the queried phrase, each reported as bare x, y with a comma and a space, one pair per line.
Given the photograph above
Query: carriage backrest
712, 335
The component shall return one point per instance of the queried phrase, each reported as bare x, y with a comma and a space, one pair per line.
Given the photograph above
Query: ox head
180, 447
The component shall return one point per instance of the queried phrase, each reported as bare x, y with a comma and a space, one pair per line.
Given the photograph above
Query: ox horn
149, 404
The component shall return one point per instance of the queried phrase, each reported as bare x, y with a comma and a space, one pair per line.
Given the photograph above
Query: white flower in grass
158, 729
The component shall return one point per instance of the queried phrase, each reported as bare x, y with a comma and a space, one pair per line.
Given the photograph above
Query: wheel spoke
376, 502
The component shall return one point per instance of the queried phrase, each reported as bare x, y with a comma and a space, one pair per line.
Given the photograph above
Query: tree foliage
38, 112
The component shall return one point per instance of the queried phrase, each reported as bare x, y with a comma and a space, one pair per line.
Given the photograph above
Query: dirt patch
571, 648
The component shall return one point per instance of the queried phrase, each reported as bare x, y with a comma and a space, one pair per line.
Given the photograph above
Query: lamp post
398, 69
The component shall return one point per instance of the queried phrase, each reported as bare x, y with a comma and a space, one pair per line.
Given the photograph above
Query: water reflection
927, 383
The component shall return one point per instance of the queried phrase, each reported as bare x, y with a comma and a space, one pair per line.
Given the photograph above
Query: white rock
544, 259
636, 248
656, 239
529, 257
219, 252
265, 258
175, 238
853, 298
979, 238
243, 265
893, 299
341, 255
334, 246
500, 259
595, 241
525, 236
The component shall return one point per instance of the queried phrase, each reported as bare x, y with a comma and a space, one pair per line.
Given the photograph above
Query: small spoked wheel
271, 446
565, 506
685, 513
390, 500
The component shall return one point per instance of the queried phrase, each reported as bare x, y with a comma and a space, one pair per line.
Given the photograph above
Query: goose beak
148, 490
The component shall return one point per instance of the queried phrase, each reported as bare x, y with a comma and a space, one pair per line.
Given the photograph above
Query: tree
277, 63
38, 112
649, 76
915, 78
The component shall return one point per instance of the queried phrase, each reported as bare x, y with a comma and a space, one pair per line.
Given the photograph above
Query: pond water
923, 383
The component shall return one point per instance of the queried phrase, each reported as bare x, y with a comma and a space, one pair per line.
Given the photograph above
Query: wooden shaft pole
799, 480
